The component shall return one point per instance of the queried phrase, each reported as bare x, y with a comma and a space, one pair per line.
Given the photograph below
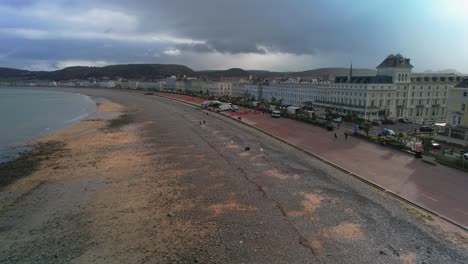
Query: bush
452, 162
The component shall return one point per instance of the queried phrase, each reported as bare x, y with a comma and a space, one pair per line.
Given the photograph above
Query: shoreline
41, 148
84, 187
25, 144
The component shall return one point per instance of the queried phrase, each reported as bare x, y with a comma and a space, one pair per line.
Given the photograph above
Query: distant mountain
322, 73
128, 71
155, 71
234, 72
14, 73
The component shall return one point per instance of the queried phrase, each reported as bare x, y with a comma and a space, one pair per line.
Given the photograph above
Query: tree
400, 136
367, 127
427, 142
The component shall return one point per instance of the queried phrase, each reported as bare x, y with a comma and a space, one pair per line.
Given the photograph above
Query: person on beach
336, 137
345, 136
203, 121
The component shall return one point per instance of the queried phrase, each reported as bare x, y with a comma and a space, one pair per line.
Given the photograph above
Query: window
463, 107
465, 94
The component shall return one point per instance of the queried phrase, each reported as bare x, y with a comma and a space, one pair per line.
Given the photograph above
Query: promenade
438, 188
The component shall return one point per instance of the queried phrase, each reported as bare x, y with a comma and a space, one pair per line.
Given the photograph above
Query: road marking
428, 197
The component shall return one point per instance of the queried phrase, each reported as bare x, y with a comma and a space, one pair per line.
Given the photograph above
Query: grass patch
421, 215
119, 122
452, 162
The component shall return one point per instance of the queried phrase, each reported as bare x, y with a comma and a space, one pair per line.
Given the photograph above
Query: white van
206, 104
223, 107
275, 113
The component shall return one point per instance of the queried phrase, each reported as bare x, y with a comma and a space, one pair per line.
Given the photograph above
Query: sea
28, 114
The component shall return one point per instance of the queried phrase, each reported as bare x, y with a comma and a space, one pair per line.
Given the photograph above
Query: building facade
457, 106
289, 92
395, 92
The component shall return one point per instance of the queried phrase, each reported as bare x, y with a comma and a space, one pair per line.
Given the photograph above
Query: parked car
435, 145
330, 126
465, 156
388, 133
404, 120
337, 120
377, 122
234, 108
426, 129
275, 113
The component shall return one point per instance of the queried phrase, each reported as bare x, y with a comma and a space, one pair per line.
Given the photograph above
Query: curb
354, 175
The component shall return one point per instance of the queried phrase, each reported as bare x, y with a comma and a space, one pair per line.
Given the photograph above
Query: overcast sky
217, 34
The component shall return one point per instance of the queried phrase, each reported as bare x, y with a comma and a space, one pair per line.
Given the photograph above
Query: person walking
345, 136
336, 137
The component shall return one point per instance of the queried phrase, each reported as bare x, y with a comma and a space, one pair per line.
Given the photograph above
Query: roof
396, 61
462, 84
364, 79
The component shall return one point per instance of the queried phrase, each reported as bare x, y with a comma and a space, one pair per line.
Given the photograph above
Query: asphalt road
273, 203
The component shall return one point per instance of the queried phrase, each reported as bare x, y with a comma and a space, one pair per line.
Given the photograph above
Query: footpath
437, 189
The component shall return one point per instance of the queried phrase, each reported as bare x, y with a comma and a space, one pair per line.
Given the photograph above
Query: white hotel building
395, 92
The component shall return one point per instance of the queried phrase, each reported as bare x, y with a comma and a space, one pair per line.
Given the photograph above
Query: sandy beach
92, 184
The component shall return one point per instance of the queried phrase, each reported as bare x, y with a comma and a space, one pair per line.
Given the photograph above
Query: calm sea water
26, 115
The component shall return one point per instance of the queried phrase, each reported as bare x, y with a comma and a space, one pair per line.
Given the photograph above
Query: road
271, 203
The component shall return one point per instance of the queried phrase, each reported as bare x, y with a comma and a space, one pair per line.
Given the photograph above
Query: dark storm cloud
305, 33
299, 27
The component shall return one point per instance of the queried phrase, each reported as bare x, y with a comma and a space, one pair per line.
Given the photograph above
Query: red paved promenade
438, 188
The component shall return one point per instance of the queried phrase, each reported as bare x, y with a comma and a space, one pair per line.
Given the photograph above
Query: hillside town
395, 93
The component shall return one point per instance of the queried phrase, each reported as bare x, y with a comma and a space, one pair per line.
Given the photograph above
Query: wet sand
87, 193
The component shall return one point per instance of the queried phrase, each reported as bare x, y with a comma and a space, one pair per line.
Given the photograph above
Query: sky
273, 35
